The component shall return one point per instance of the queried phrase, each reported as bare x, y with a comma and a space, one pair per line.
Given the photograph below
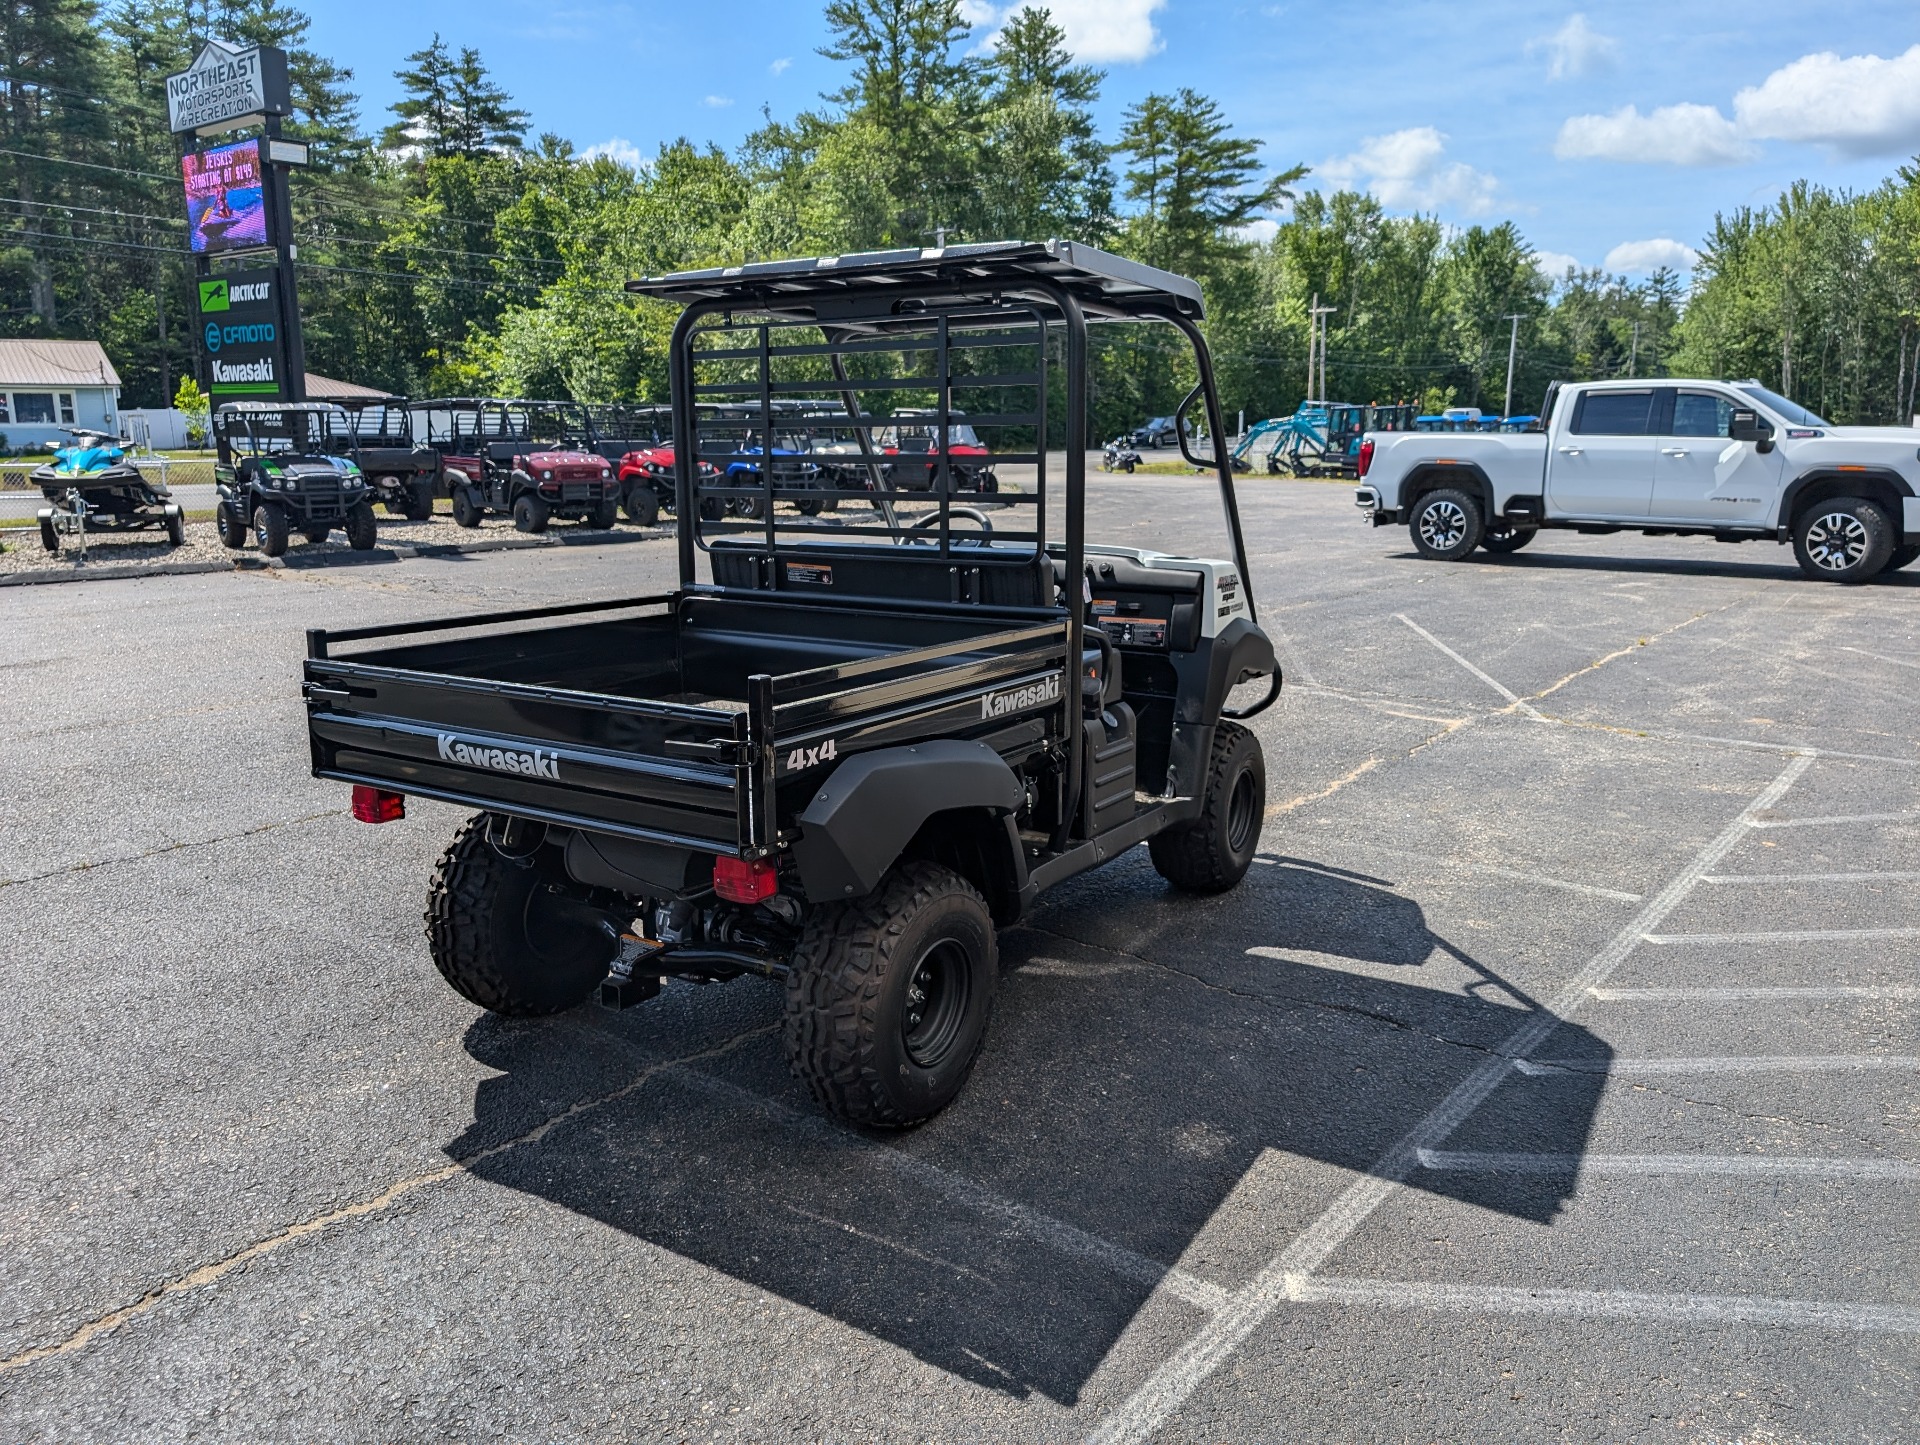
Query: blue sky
1603, 131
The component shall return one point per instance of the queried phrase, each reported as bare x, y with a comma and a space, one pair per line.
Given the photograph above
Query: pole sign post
238, 204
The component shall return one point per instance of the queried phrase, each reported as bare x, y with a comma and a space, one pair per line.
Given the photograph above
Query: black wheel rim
938, 988
1241, 824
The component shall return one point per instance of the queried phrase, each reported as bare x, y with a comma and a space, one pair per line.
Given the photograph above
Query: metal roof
325, 388
30, 361
854, 290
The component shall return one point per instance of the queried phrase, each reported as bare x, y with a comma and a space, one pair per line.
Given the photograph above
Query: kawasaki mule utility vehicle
92, 487
276, 473
860, 744
530, 460
404, 474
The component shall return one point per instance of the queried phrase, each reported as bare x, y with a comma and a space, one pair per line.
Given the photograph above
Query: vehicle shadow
1178, 1072
1664, 566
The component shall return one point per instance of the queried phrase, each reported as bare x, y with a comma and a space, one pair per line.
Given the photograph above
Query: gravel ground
1552, 1078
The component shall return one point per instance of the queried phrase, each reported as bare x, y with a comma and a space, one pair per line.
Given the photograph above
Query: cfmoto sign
213, 338
244, 335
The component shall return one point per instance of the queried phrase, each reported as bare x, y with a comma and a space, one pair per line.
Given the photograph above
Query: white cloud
618, 149
1409, 169
1576, 48
780, 65
717, 101
1637, 258
1554, 265
1678, 135
1259, 229
1098, 31
1861, 106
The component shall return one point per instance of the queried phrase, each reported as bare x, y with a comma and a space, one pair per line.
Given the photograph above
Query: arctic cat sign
244, 335
228, 86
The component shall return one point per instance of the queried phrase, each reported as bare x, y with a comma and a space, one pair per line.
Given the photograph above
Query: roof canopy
878, 290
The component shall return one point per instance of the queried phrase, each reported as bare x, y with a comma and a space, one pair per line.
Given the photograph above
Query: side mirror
1747, 426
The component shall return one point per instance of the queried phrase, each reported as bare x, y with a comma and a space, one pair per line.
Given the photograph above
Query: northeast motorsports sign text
244, 334
225, 84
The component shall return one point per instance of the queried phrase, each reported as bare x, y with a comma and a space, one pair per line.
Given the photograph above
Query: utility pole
1513, 348
1317, 349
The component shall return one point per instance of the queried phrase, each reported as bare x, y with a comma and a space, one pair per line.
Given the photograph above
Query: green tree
1044, 171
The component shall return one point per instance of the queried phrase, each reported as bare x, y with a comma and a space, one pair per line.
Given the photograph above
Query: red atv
531, 460
912, 439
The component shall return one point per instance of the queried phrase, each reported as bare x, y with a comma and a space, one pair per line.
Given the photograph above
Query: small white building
49, 386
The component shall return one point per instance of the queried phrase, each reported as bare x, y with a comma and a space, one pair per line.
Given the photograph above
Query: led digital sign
226, 204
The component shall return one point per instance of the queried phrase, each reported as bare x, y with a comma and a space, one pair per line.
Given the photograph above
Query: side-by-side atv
92, 487
844, 751
529, 460
403, 474
276, 473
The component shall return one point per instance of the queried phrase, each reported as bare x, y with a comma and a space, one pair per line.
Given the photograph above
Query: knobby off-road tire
271, 528
362, 530
419, 503
530, 514
606, 516
233, 526
1505, 537
466, 511
1846, 539
1447, 524
1214, 851
498, 936
641, 504
1902, 557
889, 996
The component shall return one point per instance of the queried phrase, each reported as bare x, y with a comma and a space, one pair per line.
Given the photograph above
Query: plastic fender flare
1241, 648
873, 803
1867, 477
1415, 484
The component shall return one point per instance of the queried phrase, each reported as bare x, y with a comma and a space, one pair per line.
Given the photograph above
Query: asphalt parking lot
1553, 1076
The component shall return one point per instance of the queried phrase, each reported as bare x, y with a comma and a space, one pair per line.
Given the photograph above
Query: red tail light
377, 805
1366, 455
738, 881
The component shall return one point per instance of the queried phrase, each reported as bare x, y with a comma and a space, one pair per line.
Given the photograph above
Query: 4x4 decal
807, 757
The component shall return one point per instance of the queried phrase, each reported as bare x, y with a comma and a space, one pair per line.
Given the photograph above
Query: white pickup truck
1726, 459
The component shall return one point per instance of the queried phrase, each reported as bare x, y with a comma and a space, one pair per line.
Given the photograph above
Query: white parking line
1731, 1064
1837, 820
1174, 1382
1610, 1304
1897, 662
1795, 935
1813, 878
1798, 1166
1752, 995
1501, 688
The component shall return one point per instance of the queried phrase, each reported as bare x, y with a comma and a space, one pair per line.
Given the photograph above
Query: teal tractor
1320, 439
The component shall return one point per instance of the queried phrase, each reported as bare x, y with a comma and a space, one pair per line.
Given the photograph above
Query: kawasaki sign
245, 337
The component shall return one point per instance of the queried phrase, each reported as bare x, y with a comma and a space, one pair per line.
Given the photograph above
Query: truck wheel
1902, 557
466, 511
271, 528
49, 538
889, 996
1446, 524
501, 932
1846, 539
362, 530
641, 504
1506, 537
530, 514
233, 528
1214, 851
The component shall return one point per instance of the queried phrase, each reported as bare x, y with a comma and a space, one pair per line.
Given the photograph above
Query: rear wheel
1446, 524
362, 530
1902, 557
530, 514
1846, 539
271, 528
233, 526
317, 533
420, 502
466, 510
1214, 851
503, 932
1507, 537
889, 996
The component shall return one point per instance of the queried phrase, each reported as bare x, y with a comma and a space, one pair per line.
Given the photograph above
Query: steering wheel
972, 514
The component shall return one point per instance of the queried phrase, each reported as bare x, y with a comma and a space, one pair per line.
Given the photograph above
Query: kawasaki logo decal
999, 704
536, 764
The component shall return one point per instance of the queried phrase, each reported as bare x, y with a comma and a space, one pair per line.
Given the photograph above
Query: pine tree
483, 118
426, 111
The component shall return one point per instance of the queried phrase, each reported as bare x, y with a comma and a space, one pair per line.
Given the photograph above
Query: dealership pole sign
244, 337
228, 86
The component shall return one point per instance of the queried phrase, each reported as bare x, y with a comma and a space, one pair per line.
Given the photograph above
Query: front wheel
503, 933
271, 528
466, 510
1847, 539
362, 530
642, 504
606, 516
889, 996
1214, 851
1507, 537
316, 534
1447, 524
530, 514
